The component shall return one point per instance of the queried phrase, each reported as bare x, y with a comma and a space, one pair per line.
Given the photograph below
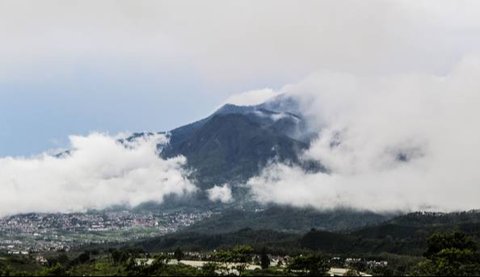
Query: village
37, 232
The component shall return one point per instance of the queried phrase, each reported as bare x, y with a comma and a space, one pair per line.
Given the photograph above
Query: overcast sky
73, 67
378, 78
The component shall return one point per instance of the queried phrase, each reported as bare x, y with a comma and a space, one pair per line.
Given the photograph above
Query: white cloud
99, 172
251, 98
232, 41
220, 193
404, 142
389, 102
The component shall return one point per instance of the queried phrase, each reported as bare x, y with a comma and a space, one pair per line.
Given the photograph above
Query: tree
133, 269
439, 241
279, 264
5, 270
264, 259
116, 255
209, 269
61, 259
56, 270
84, 257
242, 253
178, 254
313, 265
450, 254
239, 254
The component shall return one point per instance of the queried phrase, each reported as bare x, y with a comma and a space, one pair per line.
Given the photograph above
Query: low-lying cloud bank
98, 172
402, 142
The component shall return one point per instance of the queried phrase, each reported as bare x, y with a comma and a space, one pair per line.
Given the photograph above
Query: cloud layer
251, 98
228, 41
399, 142
398, 130
221, 194
98, 172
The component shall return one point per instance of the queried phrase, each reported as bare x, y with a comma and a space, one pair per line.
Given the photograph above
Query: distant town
40, 232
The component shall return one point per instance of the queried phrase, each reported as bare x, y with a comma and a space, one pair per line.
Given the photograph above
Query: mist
401, 142
98, 171
221, 194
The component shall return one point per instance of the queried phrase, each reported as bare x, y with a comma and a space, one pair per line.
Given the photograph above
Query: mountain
236, 142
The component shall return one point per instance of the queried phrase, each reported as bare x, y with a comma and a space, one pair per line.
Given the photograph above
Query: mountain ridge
236, 142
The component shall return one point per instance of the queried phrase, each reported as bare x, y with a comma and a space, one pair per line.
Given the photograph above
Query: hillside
204, 242
236, 142
287, 219
232, 147
406, 238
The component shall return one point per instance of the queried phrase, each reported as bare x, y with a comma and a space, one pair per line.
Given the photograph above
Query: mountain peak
231, 108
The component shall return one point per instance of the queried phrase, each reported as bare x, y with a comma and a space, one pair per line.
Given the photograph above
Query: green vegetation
441, 245
287, 219
204, 242
446, 254
178, 254
312, 265
264, 259
450, 254
401, 236
135, 262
